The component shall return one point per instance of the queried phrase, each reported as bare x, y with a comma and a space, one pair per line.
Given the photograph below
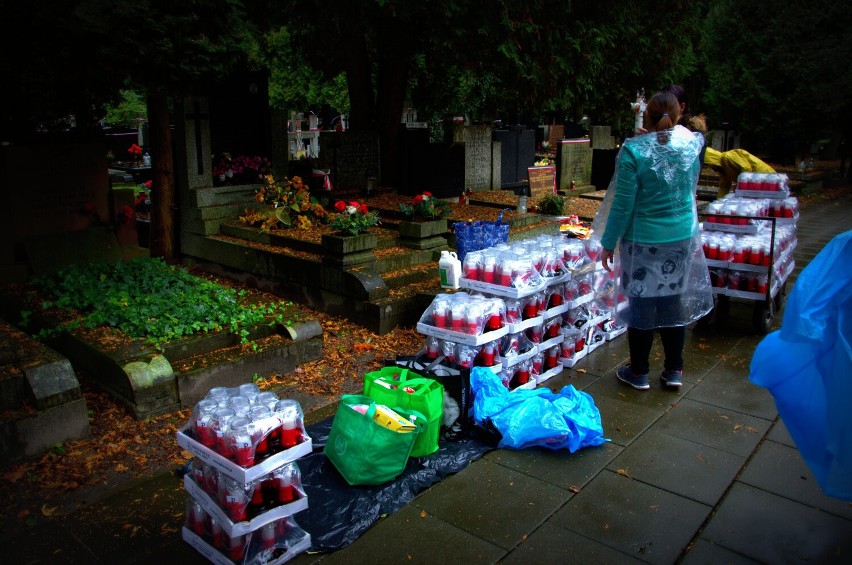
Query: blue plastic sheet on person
807, 366
536, 417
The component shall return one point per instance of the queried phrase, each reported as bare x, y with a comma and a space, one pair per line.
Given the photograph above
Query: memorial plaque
576, 159
542, 181
477, 155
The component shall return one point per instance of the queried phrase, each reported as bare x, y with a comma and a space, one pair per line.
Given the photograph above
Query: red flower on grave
134, 149
418, 199
428, 194
126, 213
363, 209
147, 184
340, 205
354, 204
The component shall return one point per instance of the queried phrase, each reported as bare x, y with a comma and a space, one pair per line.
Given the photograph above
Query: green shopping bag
364, 452
398, 386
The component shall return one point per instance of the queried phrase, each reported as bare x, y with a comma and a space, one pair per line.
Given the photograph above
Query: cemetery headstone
542, 181
576, 160
194, 164
517, 153
555, 134
602, 138
496, 165
351, 156
49, 189
477, 155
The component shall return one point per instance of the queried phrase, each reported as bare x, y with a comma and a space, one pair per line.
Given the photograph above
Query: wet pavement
708, 474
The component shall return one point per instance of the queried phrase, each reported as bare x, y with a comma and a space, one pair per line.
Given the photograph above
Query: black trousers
640, 342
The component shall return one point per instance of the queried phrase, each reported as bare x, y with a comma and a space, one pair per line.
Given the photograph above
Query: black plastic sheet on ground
338, 513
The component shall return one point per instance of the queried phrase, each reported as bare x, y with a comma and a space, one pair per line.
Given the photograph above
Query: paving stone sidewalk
706, 475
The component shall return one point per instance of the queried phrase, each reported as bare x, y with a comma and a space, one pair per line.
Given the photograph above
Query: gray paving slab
773, 529
779, 433
559, 467
579, 378
606, 358
633, 517
623, 421
657, 398
493, 502
680, 466
780, 469
550, 544
729, 387
703, 552
415, 536
717, 427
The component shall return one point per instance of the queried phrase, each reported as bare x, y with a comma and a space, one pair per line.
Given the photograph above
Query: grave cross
196, 117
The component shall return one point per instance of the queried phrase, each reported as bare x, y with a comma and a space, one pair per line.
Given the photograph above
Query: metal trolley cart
758, 276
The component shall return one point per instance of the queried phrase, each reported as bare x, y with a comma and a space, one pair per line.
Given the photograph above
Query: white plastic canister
449, 269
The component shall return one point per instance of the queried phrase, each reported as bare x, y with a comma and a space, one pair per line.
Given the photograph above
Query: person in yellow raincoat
729, 165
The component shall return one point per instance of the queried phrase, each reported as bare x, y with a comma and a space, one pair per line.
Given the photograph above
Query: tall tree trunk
391, 83
163, 187
359, 73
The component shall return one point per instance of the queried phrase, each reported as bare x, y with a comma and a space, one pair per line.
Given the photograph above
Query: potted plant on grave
135, 152
290, 205
551, 205
242, 169
425, 207
353, 218
426, 217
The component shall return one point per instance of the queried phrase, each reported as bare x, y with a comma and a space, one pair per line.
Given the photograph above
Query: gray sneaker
672, 379
626, 375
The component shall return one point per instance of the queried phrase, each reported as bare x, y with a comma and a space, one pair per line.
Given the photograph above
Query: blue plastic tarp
807, 366
536, 417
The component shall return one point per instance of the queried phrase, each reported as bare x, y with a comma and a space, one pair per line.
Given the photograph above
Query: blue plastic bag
807, 366
475, 236
526, 418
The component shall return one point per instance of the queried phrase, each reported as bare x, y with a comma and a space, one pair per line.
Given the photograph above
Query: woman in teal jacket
649, 215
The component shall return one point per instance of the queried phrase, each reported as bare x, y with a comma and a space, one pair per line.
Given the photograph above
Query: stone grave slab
477, 155
575, 157
351, 156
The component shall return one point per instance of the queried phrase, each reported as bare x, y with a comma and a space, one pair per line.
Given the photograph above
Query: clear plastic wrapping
650, 210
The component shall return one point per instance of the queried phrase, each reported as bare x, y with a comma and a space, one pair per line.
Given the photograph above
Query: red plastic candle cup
488, 355
522, 376
197, 517
530, 310
541, 303
474, 319
762, 283
739, 254
506, 274
553, 330
755, 257
488, 273
267, 536
285, 488
244, 450
585, 288
236, 502
567, 349
555, 300
579, 344
537, 363
291, 434
765, 256
216, 534
433, 348
440, 319
494, 322
535, 335
457, 317
550, 361
466, 357
236, 548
